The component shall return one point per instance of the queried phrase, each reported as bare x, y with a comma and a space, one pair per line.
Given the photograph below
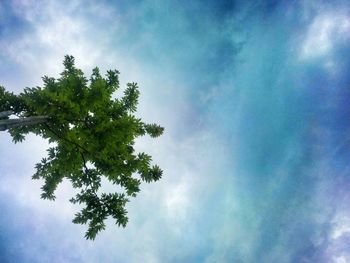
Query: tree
91, 135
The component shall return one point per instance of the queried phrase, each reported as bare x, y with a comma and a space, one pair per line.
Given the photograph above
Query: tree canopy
91, 135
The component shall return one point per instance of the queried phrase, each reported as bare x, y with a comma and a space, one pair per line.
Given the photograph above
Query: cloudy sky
254, 97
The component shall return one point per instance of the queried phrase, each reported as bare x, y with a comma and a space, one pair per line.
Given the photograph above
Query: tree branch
82, 156
5, 113
65, 139
14, 123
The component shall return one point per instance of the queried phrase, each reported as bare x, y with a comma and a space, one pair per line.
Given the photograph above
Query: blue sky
254, 99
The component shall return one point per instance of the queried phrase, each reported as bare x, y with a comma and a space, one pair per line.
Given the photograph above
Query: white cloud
340, 259
176, 200
17, 168
54, 29
323, 34
339, 232
341, 226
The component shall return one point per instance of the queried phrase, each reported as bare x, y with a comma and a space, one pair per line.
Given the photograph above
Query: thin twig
65, 139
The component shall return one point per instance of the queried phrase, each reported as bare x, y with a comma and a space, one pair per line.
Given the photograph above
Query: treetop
92, 135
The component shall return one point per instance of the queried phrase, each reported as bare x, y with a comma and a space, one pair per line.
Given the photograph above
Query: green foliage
93, 136
9, 101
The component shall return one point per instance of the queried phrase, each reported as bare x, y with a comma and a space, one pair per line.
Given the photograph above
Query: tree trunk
5, 113
13, 123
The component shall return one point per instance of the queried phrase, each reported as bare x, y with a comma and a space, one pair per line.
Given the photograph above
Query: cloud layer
253, 97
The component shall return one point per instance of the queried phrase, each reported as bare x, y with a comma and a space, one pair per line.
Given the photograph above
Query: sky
254, 97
